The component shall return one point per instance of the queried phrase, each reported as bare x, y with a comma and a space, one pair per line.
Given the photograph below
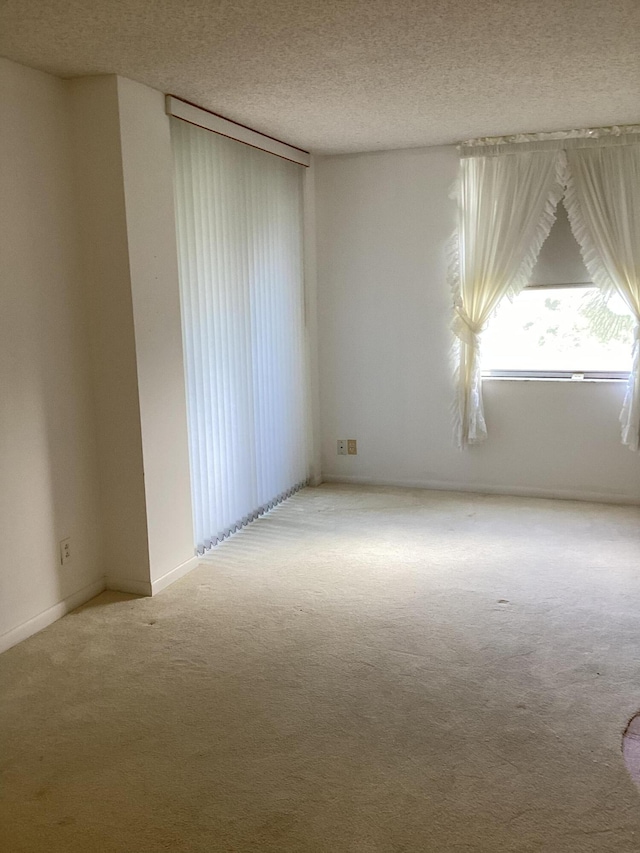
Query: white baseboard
483, 488
57, 611
152, 587
174, 574
51, 614
127, 585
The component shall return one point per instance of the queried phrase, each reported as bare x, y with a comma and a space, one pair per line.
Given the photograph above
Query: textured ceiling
354, 75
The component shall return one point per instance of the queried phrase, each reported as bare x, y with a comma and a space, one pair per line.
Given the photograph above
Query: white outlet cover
65, 551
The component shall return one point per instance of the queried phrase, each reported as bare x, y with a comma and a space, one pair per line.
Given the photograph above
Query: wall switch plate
342, 447
352, 447
65, 551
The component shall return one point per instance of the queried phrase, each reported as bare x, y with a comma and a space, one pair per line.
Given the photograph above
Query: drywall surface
48, 469
311, 322
153, 266
107, 285
384, 352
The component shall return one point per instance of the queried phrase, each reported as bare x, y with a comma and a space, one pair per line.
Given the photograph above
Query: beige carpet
362, 670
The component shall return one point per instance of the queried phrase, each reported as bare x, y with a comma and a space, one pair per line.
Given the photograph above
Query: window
560, 326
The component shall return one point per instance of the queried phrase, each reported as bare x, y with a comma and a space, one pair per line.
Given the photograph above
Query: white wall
311, 322
48, 472
384, 352
125, 195
153, 265
93, 434
107, 287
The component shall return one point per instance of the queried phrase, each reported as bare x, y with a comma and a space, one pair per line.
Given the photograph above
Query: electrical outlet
352, 447
342, 447
65, 551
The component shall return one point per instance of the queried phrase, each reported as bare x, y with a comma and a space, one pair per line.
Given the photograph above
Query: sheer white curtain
603, 202
508, 190
239, 226
506, 206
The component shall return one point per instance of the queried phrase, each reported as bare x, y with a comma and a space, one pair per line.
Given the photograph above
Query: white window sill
565, 379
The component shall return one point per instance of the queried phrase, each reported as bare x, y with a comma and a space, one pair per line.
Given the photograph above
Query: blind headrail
217, 124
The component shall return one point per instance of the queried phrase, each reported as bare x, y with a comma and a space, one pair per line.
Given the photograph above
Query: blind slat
239, 227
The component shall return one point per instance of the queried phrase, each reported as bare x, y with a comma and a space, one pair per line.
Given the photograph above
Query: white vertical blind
239, 226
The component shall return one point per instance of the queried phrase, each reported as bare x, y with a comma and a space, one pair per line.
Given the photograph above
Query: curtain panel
507, 194
506, 207
603, 203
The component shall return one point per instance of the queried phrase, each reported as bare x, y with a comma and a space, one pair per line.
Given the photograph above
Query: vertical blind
239, 227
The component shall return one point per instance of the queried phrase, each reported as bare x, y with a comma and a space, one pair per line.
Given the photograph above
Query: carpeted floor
361, 671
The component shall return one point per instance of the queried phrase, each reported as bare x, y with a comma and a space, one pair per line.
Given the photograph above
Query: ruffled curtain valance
562, 140
507, 194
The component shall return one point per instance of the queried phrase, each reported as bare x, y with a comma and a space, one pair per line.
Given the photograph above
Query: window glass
552, 329
560, 261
